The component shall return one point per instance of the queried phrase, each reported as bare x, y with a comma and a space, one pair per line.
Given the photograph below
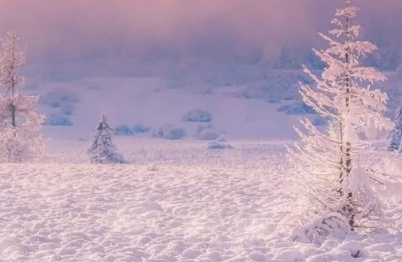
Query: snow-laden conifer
102, 150
19, 121
337, 185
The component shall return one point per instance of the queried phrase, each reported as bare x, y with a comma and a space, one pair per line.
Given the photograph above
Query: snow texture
178, 202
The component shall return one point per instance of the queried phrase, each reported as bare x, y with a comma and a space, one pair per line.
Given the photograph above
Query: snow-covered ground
174, 201
242, 112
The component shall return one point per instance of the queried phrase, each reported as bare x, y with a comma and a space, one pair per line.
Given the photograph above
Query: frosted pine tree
396, 136
102, 150
19, 121
338, 191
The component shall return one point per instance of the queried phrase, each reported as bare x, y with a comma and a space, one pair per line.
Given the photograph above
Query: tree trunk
346, 144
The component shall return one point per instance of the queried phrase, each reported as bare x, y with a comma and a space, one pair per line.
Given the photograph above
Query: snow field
205, 211
177, 201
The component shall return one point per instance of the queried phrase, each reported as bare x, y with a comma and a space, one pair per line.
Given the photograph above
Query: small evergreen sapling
102, 150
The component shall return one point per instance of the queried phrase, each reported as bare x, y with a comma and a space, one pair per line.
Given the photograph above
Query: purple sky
71, 29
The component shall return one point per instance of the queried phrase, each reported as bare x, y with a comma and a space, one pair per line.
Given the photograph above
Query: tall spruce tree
337, 188
102, 150
19, 121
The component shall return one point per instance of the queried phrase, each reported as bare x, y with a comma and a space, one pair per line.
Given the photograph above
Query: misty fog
124, 31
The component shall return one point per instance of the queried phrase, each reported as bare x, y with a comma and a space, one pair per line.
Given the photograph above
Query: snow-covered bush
59, 98
197, 115
58, 120
125, 130
169, 132
140, 129
207, 133
296, 109
102, 150
331, 224
219, 143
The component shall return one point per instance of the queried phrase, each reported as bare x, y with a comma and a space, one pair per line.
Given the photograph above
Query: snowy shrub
169, 132
58, 120
219, 143
140, 129
59, 97
296, 109
207, 133
328, 225
123, 130
176, 133
197, 115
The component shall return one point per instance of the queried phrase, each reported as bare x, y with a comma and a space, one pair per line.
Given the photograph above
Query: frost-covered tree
338, 188
396, 136
102, 150
19, 121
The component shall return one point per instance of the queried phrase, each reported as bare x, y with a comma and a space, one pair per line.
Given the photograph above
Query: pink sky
74, 27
